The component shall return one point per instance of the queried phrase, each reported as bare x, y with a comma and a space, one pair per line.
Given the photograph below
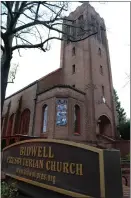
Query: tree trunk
5, 67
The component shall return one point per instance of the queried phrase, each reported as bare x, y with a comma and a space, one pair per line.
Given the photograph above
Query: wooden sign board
69, 168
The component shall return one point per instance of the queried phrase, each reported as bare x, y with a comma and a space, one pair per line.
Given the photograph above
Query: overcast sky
35, 64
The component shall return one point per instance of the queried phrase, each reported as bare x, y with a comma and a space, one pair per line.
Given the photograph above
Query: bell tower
86, 66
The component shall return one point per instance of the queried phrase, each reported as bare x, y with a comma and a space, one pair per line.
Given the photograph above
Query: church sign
69, 168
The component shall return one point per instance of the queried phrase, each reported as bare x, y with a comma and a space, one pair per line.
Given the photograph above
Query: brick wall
28, 101
52, 79
123, 146
49, 98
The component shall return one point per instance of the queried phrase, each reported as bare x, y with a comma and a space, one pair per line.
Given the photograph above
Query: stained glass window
61, 113
45, 114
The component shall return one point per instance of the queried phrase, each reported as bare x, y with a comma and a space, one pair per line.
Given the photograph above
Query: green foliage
9, 190
121, 114
124, 130
128, 157
123, 124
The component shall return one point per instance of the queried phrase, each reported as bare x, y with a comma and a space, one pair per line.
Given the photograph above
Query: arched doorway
104, 125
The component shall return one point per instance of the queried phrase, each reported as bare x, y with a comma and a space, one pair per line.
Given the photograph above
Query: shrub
8, 190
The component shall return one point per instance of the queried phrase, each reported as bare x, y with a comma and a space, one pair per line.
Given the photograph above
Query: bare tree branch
54, 5
4, 13
36, 22
17, 4
36, 16
12, 74
3, 28
2, 36
23, 39
9, 6
39, 45
50, 9
2, 48
17, 44
31, 24
81, 39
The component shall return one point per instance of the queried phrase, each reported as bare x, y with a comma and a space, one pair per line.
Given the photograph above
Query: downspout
33, 125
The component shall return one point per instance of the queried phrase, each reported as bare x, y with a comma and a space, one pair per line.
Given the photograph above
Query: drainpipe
33, 125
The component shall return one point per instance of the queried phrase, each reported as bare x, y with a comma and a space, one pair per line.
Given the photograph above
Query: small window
103, 91
73, 69
73, 86
44, 118
101, 69
76, 119
99, 51
73, 51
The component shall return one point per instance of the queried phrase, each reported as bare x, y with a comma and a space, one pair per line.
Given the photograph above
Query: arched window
24, 122
44, 118
77, 119
10, 125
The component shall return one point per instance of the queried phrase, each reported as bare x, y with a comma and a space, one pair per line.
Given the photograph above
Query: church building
75, 102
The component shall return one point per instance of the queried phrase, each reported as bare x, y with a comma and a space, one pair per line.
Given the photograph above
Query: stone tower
86, 66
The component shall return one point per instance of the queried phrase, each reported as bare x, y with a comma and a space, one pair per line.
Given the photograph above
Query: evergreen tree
124, 130
121, 114
123, 125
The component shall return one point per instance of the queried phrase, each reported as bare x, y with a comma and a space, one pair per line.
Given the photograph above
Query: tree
124, 129
121, 114
12, 73
32, 24
123, 124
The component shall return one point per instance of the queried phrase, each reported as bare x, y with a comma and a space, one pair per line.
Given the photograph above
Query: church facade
75, 102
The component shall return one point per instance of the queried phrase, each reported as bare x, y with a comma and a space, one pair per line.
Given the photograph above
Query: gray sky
35, 64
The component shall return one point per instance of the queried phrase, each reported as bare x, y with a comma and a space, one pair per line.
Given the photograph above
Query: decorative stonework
90, 86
